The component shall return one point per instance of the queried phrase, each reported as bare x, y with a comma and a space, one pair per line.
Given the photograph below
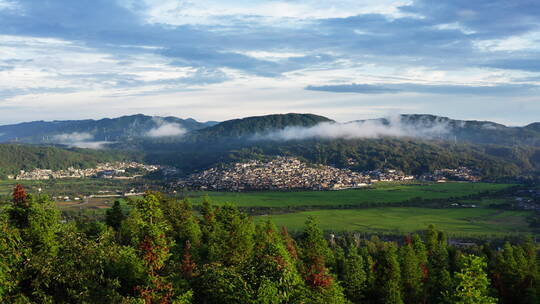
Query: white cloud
212, 11
164, 129
363, 129
528, 41
96, 145
8, 5
80, 140
67, 138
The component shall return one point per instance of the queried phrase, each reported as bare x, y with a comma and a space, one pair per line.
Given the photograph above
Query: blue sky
216, 60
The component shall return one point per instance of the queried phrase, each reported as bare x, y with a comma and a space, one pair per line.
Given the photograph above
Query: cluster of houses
100, 194
528, 199
388, 175
285, 173
459, 174
115, 170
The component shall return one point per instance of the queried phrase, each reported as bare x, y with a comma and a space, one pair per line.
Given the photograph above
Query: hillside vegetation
15, 157
496, 151
157, 250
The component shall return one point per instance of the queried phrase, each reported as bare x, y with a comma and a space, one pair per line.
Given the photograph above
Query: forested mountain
15, 157
422, 126
471, 131
140, 127
534, 126
413, 143
411, 156
107, 129
246, 127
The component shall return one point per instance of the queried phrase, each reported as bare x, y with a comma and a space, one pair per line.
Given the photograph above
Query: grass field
377, 218
70, 186
380, 194
399, 220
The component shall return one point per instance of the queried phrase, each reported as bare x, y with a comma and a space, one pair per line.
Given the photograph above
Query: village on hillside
459, 174
115, 170
289, 173
285, 173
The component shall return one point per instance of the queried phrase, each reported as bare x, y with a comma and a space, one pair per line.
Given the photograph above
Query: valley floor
461, 209
380, 194
401, 220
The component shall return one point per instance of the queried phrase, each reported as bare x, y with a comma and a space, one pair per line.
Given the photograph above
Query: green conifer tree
314, 252
388, 275
114, 216
354, 276
412, 274
471, 283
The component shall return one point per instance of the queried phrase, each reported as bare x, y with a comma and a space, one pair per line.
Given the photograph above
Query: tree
114, 216
13, 254
146, 230
439, 279
228, 234
388, 275
412, 274
77, 274
314, 252
472, 284
272, 272
185, 228
354, 276
515, 273
218, 284
19, 210
19, 196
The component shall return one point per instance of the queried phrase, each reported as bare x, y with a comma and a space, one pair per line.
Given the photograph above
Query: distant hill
413, 143
420, 126
237, 128
534, 127
469, 131
103, 130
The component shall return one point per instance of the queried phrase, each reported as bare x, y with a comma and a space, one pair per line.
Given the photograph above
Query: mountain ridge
104, 129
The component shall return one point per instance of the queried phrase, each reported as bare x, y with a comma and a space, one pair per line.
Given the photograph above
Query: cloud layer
393, 88
196, 55
166, 129
390, 127
79, 140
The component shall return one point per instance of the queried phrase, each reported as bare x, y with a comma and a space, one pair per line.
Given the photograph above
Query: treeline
16, 157
157, 250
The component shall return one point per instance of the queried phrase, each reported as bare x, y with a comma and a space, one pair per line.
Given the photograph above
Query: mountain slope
400, 142
237, 128
534, 127
15, 157
468, 131
107, 129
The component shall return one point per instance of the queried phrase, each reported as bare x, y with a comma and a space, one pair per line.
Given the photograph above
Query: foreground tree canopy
158, 250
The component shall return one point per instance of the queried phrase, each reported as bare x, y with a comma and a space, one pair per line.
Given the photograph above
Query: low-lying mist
165, 129
80, 140
390, 127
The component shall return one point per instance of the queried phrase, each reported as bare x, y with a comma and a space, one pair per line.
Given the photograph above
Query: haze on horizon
217, 60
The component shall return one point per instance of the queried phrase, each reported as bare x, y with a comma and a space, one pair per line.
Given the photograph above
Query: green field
399, 220
71, 186
365, 208
380, 194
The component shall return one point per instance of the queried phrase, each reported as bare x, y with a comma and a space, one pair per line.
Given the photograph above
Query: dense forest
157, 250
15, 157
